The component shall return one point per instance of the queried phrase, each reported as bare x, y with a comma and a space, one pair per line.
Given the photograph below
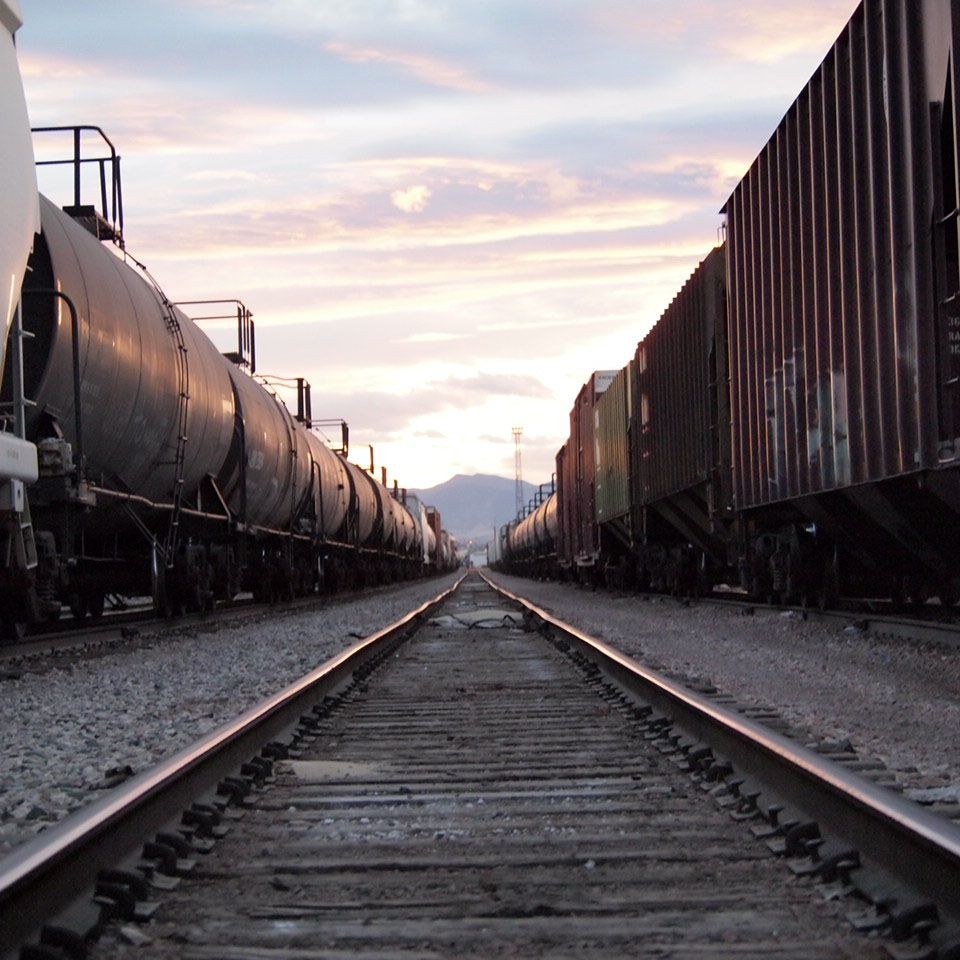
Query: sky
443, 214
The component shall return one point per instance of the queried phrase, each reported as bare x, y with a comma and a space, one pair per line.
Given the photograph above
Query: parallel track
115, 629
894, 625
476, 798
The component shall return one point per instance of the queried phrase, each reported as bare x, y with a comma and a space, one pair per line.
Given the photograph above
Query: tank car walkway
476, 799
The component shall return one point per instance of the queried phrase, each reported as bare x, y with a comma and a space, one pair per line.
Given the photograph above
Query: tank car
19, 213
166, 467
529, 547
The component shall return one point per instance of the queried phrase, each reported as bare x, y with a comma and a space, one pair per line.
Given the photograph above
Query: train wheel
919, 591
95, 603
77, 603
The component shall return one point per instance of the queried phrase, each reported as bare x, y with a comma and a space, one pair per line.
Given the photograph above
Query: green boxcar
613, 453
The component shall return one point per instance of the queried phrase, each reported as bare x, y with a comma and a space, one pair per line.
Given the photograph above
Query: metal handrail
77, 161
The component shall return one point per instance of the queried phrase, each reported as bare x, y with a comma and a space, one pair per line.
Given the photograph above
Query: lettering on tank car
255, 460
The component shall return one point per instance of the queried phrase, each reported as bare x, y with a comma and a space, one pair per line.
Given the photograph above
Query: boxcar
679, 425
844, 310
576, 481
613, 513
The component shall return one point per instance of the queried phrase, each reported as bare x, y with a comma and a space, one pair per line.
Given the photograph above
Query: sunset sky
444, 214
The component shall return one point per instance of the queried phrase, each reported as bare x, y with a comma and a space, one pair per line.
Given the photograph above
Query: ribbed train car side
612, 499
844, 276
794, 415
580, 556
679, 423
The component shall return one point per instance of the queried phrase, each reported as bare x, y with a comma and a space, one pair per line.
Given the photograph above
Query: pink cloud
412, 199
437, 73
760, 31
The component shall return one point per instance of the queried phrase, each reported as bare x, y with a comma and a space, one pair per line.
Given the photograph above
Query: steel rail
45, 876
919, 849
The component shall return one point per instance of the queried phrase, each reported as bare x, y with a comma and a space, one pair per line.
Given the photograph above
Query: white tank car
20, 219
19, 222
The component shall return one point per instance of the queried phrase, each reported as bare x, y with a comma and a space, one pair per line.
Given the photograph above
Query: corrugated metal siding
671, 422
583, 424
613, 451
566, 504
576, 473
580, 494
835, 335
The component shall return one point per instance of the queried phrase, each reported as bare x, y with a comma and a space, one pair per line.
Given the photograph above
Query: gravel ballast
894, 699
66, 727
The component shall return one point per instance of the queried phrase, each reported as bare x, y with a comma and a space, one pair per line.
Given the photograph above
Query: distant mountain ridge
471, 507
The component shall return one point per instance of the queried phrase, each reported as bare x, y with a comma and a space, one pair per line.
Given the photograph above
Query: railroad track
511, 789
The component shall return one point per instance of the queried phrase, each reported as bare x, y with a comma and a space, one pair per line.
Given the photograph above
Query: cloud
433, 337
229, 173
428, 69
388, 413
786, 29
762, 31
37, 65
425, 201
412, 199
510, 385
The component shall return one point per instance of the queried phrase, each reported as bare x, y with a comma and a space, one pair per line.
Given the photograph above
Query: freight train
137, 460
791, 425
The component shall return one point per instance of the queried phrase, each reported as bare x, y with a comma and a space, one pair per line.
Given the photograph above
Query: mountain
471, 507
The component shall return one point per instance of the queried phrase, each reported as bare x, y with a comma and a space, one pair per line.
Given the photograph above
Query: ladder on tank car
183, 404
168, 548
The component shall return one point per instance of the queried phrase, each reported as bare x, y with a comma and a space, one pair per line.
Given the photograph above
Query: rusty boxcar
844, 306
679, 426
576, 480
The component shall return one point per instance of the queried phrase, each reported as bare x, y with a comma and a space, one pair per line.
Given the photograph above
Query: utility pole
518, 469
